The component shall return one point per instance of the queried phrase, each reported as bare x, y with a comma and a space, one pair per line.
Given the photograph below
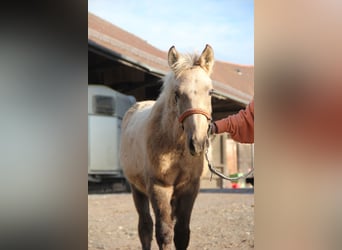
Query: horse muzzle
195, 144
196, 147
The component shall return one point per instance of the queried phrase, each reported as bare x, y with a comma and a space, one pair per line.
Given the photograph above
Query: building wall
245, 157
229, 157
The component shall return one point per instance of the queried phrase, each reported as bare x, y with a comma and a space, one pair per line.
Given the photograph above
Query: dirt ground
219, 221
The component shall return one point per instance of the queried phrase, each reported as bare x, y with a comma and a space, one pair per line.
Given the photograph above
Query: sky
227, 25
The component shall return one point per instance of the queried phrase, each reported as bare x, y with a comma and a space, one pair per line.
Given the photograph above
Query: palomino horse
162, 149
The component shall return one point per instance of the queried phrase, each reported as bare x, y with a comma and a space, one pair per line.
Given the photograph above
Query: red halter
189, 112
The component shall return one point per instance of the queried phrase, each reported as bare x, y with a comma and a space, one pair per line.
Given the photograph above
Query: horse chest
177, 169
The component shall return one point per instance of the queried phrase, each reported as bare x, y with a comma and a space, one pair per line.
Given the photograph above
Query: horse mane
185, 62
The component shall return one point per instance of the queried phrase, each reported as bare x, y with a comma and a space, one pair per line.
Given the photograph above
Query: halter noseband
193, 111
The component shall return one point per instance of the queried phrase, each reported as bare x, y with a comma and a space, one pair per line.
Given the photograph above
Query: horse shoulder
132, 148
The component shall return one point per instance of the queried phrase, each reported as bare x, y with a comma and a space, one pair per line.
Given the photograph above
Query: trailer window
103, 105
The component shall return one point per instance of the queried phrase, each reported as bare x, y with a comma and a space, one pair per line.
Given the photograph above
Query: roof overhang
223, 91
231, 81
106, 52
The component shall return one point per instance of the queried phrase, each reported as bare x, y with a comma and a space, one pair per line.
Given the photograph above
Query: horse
162, 149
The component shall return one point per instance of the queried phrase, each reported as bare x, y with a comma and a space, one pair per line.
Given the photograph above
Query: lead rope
214, 170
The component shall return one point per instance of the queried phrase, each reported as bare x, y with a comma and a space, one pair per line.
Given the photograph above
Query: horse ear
206, 60
173, 56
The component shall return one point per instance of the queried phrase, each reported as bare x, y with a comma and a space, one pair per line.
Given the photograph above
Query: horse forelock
184, 63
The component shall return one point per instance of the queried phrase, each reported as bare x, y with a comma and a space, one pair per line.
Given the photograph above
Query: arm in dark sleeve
240, 126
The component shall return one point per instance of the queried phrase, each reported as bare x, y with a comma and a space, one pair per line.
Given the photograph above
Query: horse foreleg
182, 211
161, 199
145, 225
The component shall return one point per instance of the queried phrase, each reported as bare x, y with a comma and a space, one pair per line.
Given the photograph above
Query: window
103, 105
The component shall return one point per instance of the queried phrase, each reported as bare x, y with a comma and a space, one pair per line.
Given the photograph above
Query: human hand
213, 128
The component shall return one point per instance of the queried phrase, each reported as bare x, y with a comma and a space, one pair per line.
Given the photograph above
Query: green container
235, 176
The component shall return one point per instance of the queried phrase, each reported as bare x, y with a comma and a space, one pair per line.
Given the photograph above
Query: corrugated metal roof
232, 80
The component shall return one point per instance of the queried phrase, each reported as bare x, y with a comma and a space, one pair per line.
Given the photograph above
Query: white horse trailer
106, 108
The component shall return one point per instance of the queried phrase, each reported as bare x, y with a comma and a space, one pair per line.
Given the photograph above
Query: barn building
130, 65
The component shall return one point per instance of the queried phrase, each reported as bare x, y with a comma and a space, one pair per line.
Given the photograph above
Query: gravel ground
219, 221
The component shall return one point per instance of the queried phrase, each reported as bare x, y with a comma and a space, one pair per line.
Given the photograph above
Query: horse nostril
192, 147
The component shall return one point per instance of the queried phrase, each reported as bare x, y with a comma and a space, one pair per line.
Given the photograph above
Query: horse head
192, 99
